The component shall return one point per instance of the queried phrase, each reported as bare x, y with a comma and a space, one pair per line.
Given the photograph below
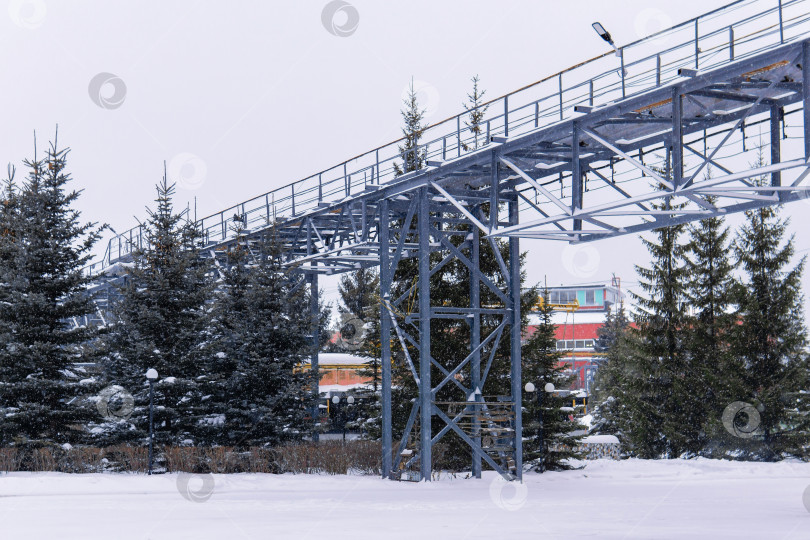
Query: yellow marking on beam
747, 76
653, 106
570, 306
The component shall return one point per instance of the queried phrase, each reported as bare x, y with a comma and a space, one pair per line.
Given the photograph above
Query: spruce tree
43, 248
770, 338
657, 377
476, 110
615, 325
160, 321
413, 158
607, 399
259, 341
541, 366
713, 369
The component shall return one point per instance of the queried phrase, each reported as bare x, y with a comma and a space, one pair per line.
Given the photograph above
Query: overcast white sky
252, 95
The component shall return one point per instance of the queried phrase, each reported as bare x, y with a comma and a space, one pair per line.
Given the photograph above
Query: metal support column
425, 394
314, 311
385, 335
576, 176
493, 191
776, 176
516, 377
475, 341
677, 137
314, 314
806, 96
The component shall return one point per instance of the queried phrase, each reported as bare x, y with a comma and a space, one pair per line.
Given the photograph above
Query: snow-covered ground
608, 499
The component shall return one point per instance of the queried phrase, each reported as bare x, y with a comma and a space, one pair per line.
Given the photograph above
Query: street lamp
151, 376
341, 411
549, 387
604, 34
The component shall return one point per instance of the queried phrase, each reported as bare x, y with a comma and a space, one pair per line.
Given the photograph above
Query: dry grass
327, 457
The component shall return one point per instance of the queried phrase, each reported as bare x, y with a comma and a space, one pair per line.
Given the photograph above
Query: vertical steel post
781, 24
576, 176
386, 275
677, 136
493, 192
540, 391
560, 88
151, 421
425, 394
506, 115
314, 314
697, 46
458, 135
516, 377
364, 220
621, 55
776, 177
806, 96
658, 70
475, 341
731, 43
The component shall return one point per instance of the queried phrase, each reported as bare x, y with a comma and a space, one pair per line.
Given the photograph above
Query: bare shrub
9, 460
327, 457
125, 458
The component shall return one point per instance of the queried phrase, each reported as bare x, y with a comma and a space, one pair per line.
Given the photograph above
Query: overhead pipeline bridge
616, 145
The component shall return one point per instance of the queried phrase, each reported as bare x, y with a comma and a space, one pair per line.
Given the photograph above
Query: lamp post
604, 34
549, 387
151, 376
340, 411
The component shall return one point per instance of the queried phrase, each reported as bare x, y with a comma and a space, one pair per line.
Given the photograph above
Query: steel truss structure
544, 165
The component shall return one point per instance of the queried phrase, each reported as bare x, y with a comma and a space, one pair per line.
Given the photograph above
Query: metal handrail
623, 79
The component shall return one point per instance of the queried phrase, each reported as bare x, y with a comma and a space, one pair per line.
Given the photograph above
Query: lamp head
335, 399
604, 34
529, 387
152, 374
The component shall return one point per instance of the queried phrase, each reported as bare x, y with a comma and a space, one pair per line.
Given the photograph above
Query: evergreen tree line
229, 338
715, 362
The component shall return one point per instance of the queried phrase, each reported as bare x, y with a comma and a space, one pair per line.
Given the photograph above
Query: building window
590, 298
569, 344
